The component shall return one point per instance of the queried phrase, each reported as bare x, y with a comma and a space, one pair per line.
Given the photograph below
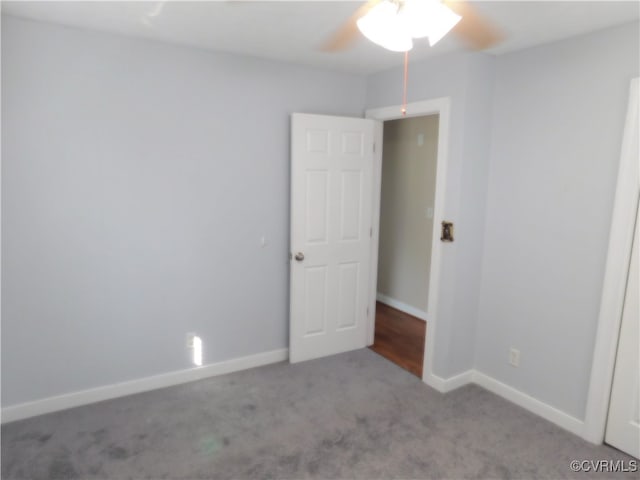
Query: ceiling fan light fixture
385, 27
417, 16
441, 23
428, 18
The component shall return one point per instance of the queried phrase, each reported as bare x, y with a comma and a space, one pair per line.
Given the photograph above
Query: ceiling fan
393, 24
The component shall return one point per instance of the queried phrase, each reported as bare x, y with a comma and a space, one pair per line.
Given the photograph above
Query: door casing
613, 290
440, 107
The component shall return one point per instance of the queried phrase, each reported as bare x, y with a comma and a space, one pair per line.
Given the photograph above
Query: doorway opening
406, 232
442, 108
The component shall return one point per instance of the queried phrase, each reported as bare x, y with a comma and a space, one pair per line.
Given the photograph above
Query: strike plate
447, 232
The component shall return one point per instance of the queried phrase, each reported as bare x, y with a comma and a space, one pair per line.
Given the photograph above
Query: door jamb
615, 277
441, 107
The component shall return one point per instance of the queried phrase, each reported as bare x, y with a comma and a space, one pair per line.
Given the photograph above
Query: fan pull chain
404, 91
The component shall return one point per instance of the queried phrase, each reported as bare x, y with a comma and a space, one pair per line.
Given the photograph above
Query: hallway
400, 338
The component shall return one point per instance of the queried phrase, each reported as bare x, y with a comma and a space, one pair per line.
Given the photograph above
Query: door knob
299, 256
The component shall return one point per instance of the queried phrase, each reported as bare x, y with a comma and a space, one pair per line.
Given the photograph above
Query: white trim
441, 107
403, 307
615, 277
533, 405
84, 397
376, 186
527, 402
444, 385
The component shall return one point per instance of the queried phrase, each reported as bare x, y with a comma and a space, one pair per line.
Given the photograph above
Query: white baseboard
527, 402
403, 307
84, 397
444, 385
546, 411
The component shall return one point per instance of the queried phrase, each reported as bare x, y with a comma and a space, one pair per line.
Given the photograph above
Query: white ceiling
291, 31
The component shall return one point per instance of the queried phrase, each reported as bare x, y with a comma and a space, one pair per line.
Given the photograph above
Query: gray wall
137, 181
127, 219
557, 129
550, 120
467, 79
408, 190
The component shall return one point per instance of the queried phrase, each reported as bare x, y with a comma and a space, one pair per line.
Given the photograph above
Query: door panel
351, 205
331, 181
348, 295
315, 300
316, 216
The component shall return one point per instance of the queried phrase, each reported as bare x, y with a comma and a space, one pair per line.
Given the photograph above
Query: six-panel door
331, 181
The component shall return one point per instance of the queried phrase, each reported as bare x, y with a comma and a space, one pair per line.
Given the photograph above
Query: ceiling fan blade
348, 31
473, 28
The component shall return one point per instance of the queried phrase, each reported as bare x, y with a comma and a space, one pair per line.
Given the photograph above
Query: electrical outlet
514, 357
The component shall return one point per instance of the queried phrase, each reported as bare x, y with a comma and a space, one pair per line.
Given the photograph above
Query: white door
623, 423
331, 198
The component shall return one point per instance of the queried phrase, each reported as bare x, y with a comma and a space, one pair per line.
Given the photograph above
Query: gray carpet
354, 415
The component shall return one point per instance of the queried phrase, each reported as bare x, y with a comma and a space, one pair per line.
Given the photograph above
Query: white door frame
615, 277
441, 107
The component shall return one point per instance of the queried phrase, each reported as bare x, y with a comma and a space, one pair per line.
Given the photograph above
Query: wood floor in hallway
400, 338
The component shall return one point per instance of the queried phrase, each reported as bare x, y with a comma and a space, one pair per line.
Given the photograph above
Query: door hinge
371, 232
367, 311
374, 147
